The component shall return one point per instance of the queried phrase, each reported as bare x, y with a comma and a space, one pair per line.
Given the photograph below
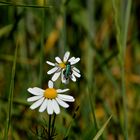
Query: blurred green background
87, 29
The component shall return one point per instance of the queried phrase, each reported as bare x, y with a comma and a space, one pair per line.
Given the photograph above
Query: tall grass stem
124, 41
42, 45
10, 98
90, 61
121, 35
3, 3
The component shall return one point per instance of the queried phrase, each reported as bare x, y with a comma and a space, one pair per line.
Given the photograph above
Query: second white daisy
64, 68
49, 99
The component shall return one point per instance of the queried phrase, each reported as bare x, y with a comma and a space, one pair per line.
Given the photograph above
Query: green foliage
104, 34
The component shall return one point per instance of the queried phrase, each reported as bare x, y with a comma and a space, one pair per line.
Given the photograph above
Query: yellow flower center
50, 93
62, 65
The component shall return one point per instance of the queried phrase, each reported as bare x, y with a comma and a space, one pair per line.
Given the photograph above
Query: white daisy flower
49, 99
64, 68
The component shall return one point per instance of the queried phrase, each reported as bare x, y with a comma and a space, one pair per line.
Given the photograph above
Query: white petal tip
57, 113
29, 89
50, 84
48, 73
50, 113
53, 80
41, 111
32, 108
28, 100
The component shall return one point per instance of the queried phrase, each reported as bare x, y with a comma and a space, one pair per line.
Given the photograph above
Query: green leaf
5, 30
100, 132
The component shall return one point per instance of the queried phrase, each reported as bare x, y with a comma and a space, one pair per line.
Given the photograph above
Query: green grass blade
5, 30
121, 35
124, 40
10, 98
22, 5
42, 45
100, 132
71, 123
91, 80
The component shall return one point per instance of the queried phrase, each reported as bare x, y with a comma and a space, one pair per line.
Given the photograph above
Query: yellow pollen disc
62, 65
50, 93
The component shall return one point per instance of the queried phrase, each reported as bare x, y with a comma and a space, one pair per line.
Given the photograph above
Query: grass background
106, 39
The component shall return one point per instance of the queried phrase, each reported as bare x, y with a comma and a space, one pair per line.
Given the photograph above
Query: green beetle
67, 71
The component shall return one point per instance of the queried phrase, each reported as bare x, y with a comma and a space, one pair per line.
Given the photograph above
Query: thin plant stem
90, 61
63, 37
124, 40
10, 98
49, 129
64, 28
22, 5
71, 123
121, 35
53, 123
42, 45
92, 105
16, 101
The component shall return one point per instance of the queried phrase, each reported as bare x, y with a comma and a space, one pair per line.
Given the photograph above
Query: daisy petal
35, 91
76, 74
66, 56
43, 106
75, 61
49, 107
73, 78
71, 59
34, 98
55, 106
67, 98
50, 84
62, 90
74, 68
62, 103
50, 63
52, 70
39, 90
56, 75
37, 103
63, 79
58, 60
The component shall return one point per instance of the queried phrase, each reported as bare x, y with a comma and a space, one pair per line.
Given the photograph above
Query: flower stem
53, 122
49, 129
